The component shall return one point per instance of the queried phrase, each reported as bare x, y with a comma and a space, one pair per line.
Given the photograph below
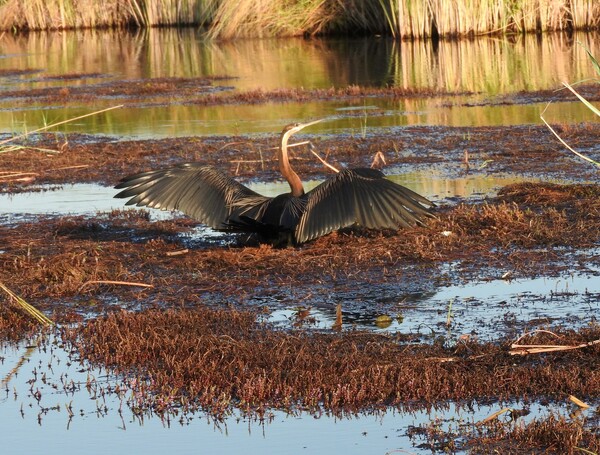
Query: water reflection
488, 65
479, 309
485, 67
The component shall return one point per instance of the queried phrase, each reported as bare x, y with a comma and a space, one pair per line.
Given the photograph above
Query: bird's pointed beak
301, 126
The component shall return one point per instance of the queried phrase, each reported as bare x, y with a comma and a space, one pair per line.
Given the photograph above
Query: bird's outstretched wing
200, 191
362, 196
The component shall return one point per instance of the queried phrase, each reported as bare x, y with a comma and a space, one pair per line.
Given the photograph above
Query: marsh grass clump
219, 359
201, 91
55, 257
553, 434
15, 325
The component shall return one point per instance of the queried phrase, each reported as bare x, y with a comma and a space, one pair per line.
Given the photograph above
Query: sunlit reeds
32, 311
403, 18
587, 104
230, 19
406, 19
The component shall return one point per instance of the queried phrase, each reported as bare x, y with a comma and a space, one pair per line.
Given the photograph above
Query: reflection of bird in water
360, 196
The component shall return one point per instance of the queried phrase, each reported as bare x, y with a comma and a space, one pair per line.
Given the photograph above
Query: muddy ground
192, 318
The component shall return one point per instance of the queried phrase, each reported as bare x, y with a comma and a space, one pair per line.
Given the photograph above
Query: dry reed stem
325, 163
178, 252
52, 125
29, 309
119, 283
563, 142
494, 416
524, 349
8, 176
517, 349
578, 402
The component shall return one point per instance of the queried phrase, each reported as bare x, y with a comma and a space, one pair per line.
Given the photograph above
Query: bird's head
293, 128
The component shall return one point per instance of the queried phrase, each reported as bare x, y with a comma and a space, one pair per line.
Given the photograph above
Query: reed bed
215, 360
229, 19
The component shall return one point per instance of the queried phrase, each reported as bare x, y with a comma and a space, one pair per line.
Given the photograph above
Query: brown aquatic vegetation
203, 91
516, 149
125, 91
554, 434
217, 359
14, 324
519, 230
200, 91
549, 434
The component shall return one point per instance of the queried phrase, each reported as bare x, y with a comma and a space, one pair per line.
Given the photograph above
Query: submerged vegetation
229, 19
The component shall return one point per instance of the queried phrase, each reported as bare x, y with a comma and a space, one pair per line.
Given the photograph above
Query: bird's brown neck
286, 168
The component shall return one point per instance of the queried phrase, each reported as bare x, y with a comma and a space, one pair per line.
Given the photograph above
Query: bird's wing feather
200, 191
363, 196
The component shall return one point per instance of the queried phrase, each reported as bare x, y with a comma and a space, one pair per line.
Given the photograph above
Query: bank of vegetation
235, 18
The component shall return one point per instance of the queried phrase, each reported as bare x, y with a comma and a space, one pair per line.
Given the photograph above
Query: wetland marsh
225, 345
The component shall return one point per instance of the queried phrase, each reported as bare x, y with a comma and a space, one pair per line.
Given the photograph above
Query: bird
353, 196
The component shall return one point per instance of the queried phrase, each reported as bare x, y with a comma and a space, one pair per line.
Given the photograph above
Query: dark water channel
480, 69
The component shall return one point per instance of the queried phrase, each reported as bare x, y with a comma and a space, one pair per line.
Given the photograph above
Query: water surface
81, 420
480, 69
483, 68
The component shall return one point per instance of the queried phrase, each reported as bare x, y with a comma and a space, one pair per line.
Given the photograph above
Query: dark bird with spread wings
360, 196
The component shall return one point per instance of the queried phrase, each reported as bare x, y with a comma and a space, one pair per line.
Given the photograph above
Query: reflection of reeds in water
169, 12
233, 18
491, 66
486, 65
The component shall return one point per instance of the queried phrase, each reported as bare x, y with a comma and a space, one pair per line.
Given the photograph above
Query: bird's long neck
286, 168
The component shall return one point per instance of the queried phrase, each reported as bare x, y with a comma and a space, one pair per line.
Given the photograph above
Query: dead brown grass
14, 324
86, 158
520, 230
553, 434
201, 91
216, 359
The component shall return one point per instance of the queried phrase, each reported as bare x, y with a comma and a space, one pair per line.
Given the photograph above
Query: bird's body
360, 196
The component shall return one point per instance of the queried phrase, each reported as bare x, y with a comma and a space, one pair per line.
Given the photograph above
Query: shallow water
90, 198
105, 424
488, 67
481, 310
